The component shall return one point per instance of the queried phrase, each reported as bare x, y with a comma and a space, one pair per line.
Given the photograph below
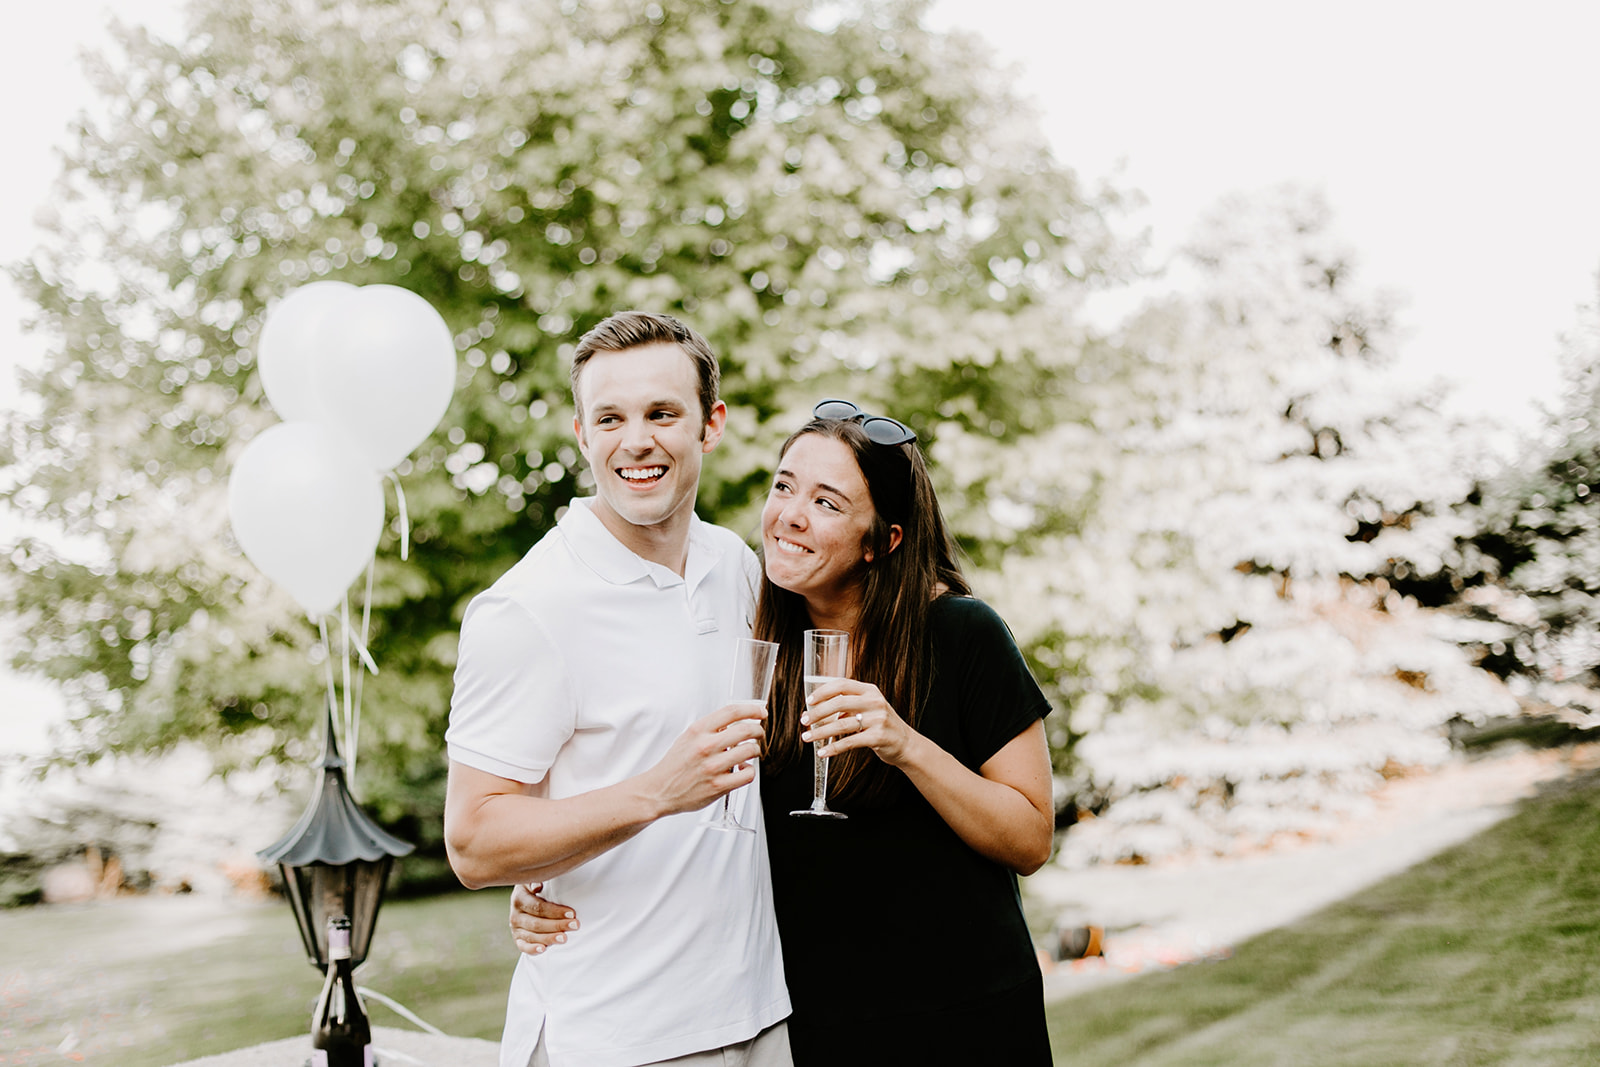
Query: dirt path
1165, 914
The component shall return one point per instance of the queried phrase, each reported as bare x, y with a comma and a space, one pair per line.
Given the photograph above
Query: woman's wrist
914, 753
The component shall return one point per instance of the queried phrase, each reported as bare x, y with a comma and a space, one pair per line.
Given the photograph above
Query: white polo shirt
578, 669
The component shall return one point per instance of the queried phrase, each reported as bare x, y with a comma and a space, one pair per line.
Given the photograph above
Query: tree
1526, 573
840, 200
1213, 544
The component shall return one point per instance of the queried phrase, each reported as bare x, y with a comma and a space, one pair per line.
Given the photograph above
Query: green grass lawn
1487, 954
127, 983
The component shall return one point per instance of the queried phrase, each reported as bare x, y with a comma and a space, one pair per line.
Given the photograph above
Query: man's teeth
642, 474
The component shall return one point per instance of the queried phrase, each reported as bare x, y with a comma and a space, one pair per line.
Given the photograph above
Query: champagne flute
753, 662
827, 658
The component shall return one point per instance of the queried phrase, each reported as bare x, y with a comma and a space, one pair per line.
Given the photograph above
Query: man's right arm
497, 833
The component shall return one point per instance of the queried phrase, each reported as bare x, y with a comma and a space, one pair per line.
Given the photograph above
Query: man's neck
666, 544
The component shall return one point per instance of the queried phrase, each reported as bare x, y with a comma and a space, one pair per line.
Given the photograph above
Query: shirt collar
613, 561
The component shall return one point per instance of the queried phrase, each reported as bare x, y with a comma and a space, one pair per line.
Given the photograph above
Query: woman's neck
836, 613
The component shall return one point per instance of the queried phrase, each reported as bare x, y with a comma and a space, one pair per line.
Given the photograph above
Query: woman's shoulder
958, 612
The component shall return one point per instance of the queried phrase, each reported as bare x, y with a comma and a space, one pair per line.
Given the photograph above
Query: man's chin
641, 513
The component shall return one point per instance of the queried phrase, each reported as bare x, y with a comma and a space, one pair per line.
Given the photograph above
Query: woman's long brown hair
889, 646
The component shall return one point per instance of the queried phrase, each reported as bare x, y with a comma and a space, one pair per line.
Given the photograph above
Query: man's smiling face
641, 430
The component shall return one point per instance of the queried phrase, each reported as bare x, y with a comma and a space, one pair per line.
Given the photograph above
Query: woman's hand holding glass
825, 658
844, 714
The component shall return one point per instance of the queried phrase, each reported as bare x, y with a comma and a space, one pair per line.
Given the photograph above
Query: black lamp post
335, 861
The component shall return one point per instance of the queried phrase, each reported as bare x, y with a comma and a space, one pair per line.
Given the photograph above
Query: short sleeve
998, 695
511, 710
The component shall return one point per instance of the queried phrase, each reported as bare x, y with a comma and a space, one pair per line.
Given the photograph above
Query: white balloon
385, 373
292, 345
306, 511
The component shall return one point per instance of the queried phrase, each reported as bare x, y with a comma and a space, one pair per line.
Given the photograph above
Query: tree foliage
1526, 573
842, 201
1236, 662
1215, 529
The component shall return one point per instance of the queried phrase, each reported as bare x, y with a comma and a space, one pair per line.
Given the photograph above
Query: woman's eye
826, 503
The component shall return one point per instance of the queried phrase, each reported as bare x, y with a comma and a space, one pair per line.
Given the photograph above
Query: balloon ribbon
405, 523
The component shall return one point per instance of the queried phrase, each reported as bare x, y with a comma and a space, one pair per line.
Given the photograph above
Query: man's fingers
735, 757
744, 732
732, 713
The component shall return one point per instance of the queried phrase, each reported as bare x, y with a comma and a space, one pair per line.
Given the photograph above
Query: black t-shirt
890, 903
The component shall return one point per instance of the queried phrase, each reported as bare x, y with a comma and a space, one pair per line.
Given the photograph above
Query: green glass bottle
340, 1033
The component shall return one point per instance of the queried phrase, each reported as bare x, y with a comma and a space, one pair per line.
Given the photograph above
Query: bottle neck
338, 945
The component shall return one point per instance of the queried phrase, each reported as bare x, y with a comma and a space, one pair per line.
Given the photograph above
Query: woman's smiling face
815, 522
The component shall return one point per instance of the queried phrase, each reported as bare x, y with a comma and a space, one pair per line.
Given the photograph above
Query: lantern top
333, 830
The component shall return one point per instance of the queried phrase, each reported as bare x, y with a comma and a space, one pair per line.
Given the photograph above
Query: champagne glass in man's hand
751, 681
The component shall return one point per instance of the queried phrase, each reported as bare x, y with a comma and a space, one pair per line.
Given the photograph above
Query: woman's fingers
847, 730
847, 714
537, 923
536, 944
824, 727
525, 900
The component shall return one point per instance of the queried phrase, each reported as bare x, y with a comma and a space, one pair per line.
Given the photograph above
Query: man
585, 730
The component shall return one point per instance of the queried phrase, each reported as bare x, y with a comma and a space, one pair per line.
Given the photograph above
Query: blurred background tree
1208, 550
841, 201
1253, 571
1525, 573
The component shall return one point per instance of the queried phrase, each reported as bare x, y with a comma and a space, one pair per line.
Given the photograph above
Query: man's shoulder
545, 569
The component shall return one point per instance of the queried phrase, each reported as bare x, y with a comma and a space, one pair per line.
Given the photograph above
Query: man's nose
639, 437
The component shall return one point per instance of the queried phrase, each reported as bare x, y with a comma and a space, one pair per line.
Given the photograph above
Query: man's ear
711, 432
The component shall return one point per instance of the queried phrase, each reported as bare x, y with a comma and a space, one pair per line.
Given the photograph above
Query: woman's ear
895, 534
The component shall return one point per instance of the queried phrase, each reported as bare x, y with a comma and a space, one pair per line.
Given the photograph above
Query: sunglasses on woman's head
880, 429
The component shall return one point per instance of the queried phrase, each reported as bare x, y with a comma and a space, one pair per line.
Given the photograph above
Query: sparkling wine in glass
827, 658
748, 686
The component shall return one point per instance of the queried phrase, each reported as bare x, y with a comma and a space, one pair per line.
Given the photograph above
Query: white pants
769, 1048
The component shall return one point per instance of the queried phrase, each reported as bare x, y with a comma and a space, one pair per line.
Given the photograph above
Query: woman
903, 934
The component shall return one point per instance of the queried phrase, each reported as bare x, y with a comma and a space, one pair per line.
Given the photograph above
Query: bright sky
1455, 141
45, 84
